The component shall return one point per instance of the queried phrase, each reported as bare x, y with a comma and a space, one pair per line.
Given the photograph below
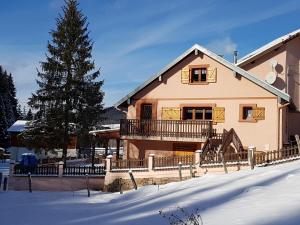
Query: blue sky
134, 39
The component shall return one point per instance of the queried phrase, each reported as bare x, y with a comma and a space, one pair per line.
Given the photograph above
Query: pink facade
287, 55
232, 91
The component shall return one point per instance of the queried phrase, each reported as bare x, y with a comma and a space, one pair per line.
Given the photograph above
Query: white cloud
224, 46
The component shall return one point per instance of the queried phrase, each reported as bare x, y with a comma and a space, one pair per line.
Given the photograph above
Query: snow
264, 196
18, 126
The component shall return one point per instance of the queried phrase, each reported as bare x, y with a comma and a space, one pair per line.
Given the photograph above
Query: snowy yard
269, 196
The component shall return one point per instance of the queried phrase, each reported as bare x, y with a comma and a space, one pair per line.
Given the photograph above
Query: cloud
224, 46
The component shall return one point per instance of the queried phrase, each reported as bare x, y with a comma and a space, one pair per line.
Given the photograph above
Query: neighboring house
282, 58
17, 148
199, 94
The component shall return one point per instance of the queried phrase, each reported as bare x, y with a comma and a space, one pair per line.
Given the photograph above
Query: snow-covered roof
268, 47
104, 130
219, 59
18, 126
107, 128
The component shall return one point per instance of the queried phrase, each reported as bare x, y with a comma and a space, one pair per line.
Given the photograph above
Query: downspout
278, 125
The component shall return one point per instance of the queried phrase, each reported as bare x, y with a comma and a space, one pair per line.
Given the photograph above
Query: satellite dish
273, 63
271, 77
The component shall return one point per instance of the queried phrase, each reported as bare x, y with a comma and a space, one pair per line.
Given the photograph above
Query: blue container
28, 159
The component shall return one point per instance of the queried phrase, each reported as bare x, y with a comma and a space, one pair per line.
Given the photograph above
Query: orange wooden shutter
259, 113
211, 75
219, 114
185, 75
170, 113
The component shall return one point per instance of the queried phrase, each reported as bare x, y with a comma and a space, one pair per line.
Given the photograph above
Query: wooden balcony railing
166, 128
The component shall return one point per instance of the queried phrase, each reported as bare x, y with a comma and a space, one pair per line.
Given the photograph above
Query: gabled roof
268, 47
18, 126
219, 59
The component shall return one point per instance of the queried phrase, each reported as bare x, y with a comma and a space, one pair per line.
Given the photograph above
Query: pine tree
69, 99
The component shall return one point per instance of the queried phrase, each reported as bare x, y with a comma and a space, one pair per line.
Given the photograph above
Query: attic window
198, 75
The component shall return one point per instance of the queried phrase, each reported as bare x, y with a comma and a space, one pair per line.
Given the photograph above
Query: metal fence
174, 161
130, 164
217, 158
84, 170
277, 155
36, 170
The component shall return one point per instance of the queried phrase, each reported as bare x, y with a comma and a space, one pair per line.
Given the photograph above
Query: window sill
198, 83
248, 121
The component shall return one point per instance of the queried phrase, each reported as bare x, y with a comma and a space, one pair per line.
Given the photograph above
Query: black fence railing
36, 170
129, 164
83, 170
174, 161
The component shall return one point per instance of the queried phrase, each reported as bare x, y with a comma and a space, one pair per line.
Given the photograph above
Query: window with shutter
251, 113
219, 114
170, 113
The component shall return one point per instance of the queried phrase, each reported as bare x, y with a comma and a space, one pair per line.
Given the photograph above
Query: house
282, 57
17, 147
200, 94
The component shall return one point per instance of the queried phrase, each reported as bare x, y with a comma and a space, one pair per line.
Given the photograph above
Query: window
247, 113
197, 113
198, 75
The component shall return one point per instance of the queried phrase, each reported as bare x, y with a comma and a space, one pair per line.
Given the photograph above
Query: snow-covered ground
265, 196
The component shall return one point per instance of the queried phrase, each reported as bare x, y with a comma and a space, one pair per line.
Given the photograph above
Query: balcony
166, 130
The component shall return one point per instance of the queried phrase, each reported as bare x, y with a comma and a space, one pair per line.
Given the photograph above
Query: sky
134, 39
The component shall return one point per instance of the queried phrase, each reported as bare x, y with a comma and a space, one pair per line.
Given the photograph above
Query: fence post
11, 167
87, 184
298, 141
29, 182
5, 183
191, 170
151, 162
224, 162
60, 168
121, 185
180, 168
198, 158
251, 150
132, 179
108, 163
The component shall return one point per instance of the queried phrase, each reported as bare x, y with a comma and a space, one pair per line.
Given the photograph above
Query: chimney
235, 56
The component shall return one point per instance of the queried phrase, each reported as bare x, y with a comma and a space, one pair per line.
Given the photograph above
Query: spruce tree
8, 105
69, 98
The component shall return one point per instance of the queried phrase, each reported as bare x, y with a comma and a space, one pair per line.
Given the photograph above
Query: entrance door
146, 112
146, 119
